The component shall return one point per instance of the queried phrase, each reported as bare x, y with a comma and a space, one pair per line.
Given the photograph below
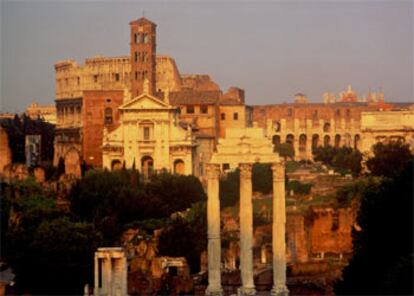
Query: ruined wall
330, 231
167, 76
47, 112
5, 152
307, 125
199, 82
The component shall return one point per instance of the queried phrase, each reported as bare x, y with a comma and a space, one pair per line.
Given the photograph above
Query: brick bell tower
143, 55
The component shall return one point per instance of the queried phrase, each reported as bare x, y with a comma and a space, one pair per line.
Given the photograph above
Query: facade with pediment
150, 138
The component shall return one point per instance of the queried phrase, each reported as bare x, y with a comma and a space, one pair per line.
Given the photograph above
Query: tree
48, 251
343, 159
383, 251
285, 150
389, 159
192, 231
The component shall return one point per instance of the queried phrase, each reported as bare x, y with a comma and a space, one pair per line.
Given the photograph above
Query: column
213, 231
108, 269
246, 230
278, 231
96, 282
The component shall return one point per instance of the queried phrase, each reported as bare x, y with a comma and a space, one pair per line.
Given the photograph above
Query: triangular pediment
145, 101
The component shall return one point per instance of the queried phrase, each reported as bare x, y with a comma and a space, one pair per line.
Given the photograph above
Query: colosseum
88, 96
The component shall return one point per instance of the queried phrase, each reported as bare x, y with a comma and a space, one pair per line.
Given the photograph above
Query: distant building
45, 112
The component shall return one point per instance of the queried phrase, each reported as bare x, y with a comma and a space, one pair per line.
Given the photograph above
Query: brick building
88, 97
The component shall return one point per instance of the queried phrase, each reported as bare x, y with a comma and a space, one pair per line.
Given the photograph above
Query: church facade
150, 137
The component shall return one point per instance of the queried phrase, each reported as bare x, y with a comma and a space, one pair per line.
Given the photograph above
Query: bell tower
143, 55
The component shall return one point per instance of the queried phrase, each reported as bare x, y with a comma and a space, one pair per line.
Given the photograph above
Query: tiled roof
190, 97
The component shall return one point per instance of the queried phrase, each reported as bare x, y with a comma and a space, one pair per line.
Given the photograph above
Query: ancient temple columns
278, 231
213, 231
246, 230
110, 272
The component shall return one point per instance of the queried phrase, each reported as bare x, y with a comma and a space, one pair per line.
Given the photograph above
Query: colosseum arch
337, 141
347, 140
327, 127
315, 141
302, 142
289, 139
326, 141
357, 141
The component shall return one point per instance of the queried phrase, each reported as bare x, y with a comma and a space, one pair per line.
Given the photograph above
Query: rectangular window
116, 76
146, 133
95, 78
136, 56
204, 109
223, 116
190, 109
136, 75
235, 116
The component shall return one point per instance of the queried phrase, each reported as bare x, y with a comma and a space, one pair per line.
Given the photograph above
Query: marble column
246, 230
213, 231
96, 291
278, 231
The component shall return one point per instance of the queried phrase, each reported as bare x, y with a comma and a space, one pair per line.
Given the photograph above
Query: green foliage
346, 194
343, 159
291, 166
186, 237
230, 184
230, 189
114, 199
262, 177
285, 150
389, 159
43, 243
299, 187
383, 250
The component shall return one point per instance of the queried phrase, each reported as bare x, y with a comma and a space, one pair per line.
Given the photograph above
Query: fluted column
246, 230
96, 291
213, 231
278, 231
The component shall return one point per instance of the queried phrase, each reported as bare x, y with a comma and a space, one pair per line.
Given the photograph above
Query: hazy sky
272, 49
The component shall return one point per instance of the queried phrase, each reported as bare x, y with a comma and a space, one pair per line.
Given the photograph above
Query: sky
272, 49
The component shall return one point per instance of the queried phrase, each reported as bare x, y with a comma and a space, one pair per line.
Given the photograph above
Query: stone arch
147, 166
327, 127
326, 141
337, 141
116, 164
289, 139
276, 126
315, 141
357, 141
302, 142
347, 140
276, 142
72, 162
179, 167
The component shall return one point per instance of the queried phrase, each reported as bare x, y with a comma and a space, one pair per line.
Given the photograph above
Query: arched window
108, 116
146, 38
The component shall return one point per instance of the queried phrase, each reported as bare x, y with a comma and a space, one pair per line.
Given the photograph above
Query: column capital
213, 171
278, 171
245, 170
